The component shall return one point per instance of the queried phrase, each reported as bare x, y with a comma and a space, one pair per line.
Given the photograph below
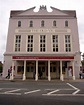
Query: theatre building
42, 45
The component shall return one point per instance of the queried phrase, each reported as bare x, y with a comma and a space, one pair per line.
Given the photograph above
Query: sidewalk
32, 80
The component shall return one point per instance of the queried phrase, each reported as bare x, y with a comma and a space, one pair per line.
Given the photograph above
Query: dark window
31, 23
66, 23
19, 23
42, 43
30, 43
42, 23
54, 23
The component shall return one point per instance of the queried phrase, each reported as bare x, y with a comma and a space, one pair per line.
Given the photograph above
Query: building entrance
54, 69
42, 70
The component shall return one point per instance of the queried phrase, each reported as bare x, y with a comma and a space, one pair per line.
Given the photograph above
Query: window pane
55, 43
54, 23
42, 43
42, 23
30, 43
17, 42
19, 23
66, 23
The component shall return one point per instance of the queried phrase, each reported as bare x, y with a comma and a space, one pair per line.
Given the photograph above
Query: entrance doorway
54, 69
42, 69
30, 69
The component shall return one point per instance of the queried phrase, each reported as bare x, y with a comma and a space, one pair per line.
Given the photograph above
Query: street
41, 93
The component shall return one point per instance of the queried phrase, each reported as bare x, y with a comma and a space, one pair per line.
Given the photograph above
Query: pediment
30, 12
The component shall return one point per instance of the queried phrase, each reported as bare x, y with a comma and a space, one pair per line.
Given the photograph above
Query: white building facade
42, 45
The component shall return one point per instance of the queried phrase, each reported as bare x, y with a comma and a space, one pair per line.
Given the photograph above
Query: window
52, 69
67, 43
20, 69
42, 23
19, 23
42, 43
17, 42
55, 43
54, 23
31, 23
30, 43
66, 23
30, 68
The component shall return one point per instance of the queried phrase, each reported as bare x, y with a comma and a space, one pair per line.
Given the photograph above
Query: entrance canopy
42, 57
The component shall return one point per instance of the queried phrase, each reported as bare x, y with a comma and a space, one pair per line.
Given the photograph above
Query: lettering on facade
42, 31
43, 57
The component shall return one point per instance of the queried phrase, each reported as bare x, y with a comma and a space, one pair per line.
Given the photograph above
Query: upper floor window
42, 23
55, 43
42, 43
31, 23
67, 43
17, 42
54, 23
19, 23
66, 23
30, 43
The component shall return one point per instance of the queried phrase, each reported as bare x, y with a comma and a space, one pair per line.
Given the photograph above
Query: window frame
54, 23
31, 23
66, 23
42, 23
17, 43
19, 23
67, 43
42, 43
30, 43
55, 46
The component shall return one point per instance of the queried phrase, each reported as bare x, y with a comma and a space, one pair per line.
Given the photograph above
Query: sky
7, 5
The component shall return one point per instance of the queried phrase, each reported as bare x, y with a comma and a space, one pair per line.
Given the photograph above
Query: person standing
80, 74
69, 73
8, 76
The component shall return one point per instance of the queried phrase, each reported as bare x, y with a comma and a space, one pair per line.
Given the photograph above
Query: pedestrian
69, 73
80, 74
40, 74
8, 76
34, 74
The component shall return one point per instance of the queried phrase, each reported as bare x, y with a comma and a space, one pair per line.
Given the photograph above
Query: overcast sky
7, 5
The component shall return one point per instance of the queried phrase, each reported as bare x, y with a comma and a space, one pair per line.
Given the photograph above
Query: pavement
32, 80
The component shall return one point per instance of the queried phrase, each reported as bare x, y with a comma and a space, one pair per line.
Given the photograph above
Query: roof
70, 13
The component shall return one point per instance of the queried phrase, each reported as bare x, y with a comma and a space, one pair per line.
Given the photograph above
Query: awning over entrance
43, 57
48, 65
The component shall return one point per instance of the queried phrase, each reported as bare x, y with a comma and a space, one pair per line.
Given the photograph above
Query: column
49, 78
61, 75
12, 71
24, 74
36, 76
73, 70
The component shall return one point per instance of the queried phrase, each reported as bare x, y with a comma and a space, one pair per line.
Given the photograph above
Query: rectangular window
42, 23
54, 23
66, 23
55, 43
42, 43
30, 43
31, 23
67, 43
19, 23
17, 42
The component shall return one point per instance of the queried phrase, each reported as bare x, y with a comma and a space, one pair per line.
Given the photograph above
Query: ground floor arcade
55, 68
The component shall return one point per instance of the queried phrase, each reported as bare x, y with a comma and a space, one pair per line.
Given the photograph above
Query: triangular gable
58, 11
23, 12
30, 11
